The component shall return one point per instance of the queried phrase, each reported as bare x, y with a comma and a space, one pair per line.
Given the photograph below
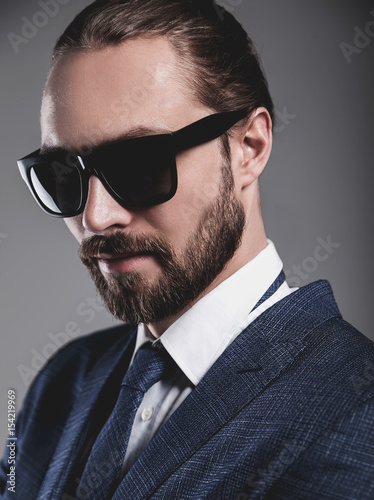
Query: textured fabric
286, 412
165, 397
149, 366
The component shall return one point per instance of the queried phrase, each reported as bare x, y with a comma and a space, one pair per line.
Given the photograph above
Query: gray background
318, 183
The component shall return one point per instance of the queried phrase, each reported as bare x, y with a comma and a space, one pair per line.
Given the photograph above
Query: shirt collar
200, 335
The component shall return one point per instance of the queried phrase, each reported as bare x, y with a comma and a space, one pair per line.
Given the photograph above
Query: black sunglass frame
200, 132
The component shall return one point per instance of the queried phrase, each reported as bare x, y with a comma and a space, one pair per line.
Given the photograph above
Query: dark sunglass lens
141, 171
58, 186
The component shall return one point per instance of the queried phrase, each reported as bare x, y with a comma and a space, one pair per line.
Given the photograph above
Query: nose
102, 213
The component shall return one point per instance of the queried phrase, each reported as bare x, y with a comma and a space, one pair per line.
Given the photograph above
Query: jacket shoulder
85, 351
73, 365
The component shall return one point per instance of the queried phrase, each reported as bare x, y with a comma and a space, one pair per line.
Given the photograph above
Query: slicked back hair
218, 58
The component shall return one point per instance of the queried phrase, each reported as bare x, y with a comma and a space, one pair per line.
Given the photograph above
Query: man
223, 382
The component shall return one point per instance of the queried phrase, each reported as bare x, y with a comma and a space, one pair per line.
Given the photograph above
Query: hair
220, 59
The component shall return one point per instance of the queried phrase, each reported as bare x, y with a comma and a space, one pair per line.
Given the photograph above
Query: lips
109, 256
123, 263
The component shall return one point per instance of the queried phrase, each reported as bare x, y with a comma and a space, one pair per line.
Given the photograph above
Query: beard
133, 298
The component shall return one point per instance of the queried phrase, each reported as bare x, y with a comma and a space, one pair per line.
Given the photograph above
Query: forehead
98, 95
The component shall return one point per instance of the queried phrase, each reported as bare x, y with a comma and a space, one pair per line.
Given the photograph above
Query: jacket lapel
260, 354
75, 431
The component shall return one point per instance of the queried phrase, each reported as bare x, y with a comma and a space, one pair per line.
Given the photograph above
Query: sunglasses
137, 172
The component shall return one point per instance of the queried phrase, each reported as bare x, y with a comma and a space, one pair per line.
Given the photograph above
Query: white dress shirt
197, 339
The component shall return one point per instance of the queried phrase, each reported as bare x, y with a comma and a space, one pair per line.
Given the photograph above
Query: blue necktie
102, 472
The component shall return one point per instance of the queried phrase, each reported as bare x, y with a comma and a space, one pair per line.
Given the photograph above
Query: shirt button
147, 414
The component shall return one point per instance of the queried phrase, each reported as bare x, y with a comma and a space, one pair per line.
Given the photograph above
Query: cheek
199, 177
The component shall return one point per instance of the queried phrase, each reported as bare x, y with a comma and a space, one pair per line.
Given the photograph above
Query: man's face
149, 264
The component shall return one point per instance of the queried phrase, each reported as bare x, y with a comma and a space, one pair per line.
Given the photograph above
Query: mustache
122, 243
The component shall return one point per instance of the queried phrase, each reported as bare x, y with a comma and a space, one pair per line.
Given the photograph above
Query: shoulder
333, 345
333, 372
311, 313
333, 350
75, 364
317, 364
317, 408
83, 352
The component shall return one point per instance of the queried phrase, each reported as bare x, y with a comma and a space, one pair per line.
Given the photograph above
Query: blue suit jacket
287, 412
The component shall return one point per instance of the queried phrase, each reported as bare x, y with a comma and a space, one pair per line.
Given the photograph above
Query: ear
255, 146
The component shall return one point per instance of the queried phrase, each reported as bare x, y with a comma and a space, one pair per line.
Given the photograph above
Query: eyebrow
131, 134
